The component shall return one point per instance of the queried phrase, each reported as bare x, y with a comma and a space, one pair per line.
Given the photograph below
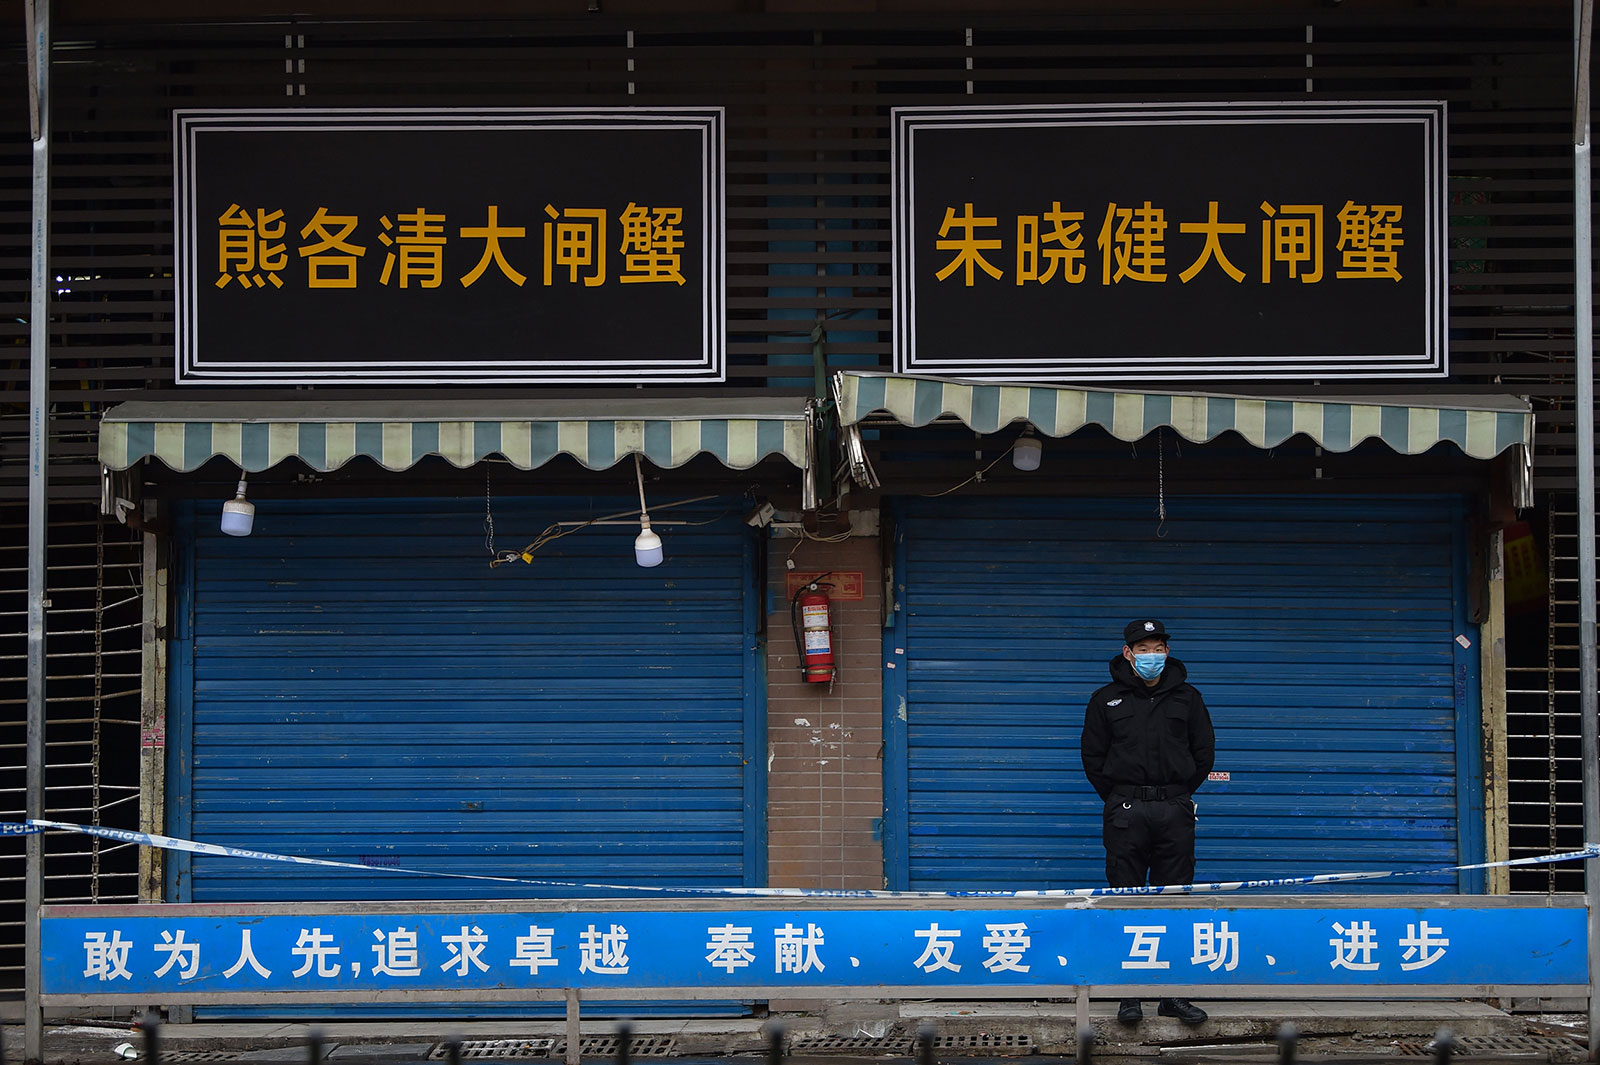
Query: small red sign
1217, 776
839, 584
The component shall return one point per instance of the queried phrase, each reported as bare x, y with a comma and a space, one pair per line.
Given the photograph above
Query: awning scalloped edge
1130, 416
256, 445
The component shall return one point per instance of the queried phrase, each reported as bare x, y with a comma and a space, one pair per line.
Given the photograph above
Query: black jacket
1136, 734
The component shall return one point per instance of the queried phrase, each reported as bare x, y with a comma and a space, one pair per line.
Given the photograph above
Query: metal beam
1583, 356
38, 25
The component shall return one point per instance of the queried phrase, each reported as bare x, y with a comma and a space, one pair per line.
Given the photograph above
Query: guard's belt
1144, 791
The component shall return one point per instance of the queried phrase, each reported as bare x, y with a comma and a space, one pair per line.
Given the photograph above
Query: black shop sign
449, 246
1163, 242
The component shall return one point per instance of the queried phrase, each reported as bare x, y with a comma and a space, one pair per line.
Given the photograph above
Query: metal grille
640, 1046
183, 1057
93, 619
987, 1042
852, 1044
1551, 1048
808, 101
1542, 720
473, 1049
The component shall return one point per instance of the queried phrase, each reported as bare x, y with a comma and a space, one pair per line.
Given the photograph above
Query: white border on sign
711, 366
1433, 361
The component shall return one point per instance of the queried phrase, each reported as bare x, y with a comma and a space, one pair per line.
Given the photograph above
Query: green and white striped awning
1481, 426
669, 431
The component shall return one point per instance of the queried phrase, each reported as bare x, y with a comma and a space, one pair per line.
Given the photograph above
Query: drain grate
852, 1044
181, 1057
478, 1049
989, 1042
640, 1046
1490, 1046
999, 1043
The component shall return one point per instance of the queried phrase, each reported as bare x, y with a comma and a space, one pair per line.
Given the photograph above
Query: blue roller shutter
1321, 631
355, 682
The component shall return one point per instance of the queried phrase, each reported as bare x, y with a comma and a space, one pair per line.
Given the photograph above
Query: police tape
189, 846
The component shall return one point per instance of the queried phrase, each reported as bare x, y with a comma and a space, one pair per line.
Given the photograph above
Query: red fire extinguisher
813, 633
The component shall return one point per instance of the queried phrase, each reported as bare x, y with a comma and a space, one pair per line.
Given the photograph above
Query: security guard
1147, 747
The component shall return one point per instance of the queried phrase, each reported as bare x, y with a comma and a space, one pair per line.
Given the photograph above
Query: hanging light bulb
1026, 451
238, 513
647, 545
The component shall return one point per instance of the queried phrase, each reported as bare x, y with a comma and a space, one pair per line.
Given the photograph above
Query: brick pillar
825, 770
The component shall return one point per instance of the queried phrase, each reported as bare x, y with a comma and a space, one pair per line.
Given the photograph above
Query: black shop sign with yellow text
1164, 242
445, 245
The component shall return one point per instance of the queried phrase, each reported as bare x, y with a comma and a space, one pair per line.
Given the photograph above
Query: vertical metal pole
38, 17
574, 1029
1583, 355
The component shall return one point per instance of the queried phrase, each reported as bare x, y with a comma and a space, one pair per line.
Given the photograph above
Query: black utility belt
1144, 791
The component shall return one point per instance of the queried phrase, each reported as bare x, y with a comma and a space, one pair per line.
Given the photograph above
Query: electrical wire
975, 477
556, 532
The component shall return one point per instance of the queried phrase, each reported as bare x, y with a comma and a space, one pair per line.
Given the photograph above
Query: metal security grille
1543, 721
808, 100
93, 620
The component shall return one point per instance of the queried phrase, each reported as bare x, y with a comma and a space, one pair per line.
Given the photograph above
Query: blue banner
177, 952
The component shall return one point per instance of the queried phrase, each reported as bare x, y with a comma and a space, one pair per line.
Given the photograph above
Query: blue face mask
1149, 666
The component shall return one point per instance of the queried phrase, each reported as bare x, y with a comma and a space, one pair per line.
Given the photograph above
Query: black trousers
1149, 841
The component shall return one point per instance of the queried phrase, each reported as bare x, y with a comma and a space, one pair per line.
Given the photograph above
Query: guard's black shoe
1130, 1012
1181, 1008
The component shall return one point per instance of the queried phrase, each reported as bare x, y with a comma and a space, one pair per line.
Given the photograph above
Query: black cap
1144, 629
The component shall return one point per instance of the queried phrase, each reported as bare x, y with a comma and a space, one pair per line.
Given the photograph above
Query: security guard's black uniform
1146, 749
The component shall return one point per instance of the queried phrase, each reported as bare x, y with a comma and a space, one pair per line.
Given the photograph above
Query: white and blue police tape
171, 843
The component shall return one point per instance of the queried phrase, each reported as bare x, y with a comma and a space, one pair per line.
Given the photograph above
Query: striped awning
1481, 426
668, 431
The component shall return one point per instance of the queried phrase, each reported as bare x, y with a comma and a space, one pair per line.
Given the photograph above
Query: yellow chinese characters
1133, 238
578, 242
1066, 255
969, 248
1292, 234
1212, 249
652, 242
325, 270
1369, 237
419, 240
245, 248
491, 234
1133, 244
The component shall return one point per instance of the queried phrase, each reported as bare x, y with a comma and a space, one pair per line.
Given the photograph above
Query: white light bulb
238, 514
1025, 454
647, 548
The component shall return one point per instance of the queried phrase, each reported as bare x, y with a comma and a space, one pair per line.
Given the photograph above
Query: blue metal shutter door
1321, 632
365, 688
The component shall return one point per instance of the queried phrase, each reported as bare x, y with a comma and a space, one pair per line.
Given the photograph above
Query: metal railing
1443, 1045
